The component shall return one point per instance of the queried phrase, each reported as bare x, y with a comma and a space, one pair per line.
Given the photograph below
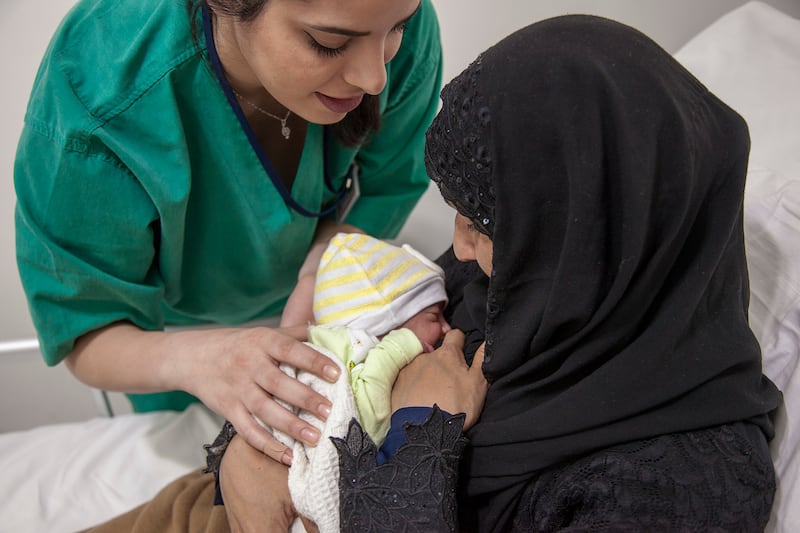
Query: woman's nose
367, 69
462, 244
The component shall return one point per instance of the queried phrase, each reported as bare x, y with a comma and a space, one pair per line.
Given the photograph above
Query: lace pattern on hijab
463, 173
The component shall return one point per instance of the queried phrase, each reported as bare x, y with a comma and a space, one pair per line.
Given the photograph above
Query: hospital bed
64, 477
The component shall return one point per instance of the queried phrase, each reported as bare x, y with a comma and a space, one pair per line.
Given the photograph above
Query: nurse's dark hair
356, 126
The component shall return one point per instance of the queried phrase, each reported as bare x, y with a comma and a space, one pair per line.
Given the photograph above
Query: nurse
182, 163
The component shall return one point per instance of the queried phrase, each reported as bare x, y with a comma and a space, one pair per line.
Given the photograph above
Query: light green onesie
373, 365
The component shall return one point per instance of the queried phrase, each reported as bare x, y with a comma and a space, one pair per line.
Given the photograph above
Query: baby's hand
442, 377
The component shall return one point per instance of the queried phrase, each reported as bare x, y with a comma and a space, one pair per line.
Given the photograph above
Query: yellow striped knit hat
366, 283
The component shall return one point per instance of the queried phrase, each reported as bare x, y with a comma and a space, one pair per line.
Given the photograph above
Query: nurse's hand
442, 377
238, 376
234, 371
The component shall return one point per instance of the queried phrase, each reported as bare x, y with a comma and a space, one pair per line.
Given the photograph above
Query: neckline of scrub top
343, 191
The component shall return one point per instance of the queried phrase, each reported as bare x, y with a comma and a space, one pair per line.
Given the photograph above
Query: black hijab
610, 181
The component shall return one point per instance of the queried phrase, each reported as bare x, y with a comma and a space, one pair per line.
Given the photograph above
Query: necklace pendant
286, 131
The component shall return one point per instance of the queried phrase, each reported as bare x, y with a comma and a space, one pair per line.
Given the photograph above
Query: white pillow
750, 58
772, 233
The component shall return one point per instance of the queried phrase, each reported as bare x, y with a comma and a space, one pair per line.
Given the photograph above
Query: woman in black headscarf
626, 389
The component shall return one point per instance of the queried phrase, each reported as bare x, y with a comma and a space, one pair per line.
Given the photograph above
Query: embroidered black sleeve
414, 491
216, 449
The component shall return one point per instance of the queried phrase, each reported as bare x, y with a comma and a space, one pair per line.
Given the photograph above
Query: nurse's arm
234, 371
298, 310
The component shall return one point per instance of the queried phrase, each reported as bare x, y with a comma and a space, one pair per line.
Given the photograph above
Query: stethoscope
341, 193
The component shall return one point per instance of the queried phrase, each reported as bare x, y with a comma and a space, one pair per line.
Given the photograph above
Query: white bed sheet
62, 478
66, 477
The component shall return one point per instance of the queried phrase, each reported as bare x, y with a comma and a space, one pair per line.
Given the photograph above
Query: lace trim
719, 479
216, 449
414, 491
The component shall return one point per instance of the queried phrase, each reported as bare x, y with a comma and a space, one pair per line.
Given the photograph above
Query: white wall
32, 394
470, 26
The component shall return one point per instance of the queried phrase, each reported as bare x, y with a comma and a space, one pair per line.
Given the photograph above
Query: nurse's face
315, 57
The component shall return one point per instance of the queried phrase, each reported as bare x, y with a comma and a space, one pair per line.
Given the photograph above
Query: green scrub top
139, 197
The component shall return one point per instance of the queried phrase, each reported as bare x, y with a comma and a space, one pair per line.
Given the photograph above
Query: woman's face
469, 244
316, 57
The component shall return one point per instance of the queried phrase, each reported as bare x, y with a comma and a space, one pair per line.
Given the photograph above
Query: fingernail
309, 436
325, 411
331, 372
287, 457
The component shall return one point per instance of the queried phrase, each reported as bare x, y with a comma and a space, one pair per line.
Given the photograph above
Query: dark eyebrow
354, 33
339, 31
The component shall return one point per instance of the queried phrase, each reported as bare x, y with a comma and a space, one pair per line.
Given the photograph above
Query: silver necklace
286, 131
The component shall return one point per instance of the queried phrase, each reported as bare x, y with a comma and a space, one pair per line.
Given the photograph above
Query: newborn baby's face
429, 325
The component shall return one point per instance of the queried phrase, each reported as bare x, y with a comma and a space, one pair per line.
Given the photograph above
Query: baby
376, 307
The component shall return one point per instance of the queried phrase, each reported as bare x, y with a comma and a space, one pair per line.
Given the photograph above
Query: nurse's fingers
260, 438
283, 346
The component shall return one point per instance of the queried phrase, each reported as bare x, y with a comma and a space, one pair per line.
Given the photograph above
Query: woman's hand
255, 490
234, 371
442, 377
